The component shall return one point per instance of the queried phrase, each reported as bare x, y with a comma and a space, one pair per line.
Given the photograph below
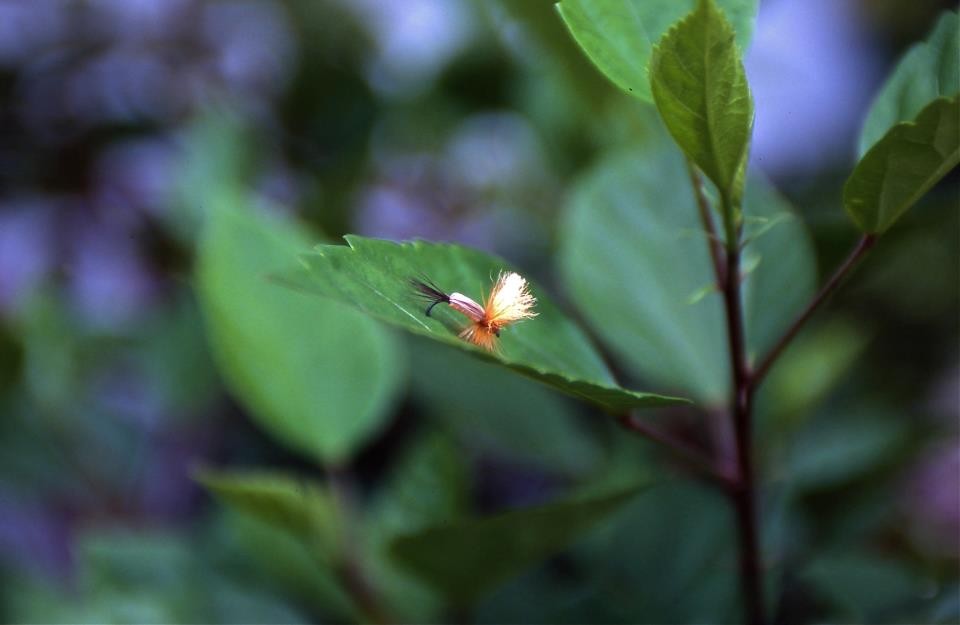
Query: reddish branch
863, 246
742, 486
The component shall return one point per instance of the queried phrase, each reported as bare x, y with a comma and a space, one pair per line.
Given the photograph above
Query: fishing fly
510, 301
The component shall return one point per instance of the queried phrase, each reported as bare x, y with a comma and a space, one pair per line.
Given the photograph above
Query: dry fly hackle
429, 291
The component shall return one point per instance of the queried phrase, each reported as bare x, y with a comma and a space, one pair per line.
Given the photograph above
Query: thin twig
348, 566
862, 247
706, 217
694, 458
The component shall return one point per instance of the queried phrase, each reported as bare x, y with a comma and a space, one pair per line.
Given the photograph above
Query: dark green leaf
813, 365
523, 421
844, 446
700, 88
667, 557
427, 487
633, 252
275, 560
374, 276
864, 587
466, 559
900, 168
318, 377
618, 35
779, 262
929, 70
300, 507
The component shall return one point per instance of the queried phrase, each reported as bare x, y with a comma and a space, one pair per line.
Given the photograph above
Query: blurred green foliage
353, 474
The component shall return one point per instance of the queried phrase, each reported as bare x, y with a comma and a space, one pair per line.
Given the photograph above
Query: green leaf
674, 538
837, 449
299, 507
275, 560
808, 370
929, 69
633, 252
864, 587
900, 168
523, 421
466, 559
374, 276
428, 486
785, 276
618, 35
318, 377
700, 88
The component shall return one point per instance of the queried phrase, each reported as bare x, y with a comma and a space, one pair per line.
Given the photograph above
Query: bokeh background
449, 120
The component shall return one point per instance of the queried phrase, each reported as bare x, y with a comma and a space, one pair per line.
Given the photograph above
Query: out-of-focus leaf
232, 603
374, 276
466, 559
831, 451
784, 274
668, 557
495, 411
273, 559
633, 251
946, 607
929, 70
618, 35
810, 368
303, 508
145, 577
174, 353
318, 377
865, 588
428, 486
902, 166
700, 88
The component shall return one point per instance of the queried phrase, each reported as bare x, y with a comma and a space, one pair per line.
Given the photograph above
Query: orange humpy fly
510, 301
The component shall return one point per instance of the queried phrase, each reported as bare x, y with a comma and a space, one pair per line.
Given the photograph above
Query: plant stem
694, 458
348, 566
862, 247
706, 218
744, 496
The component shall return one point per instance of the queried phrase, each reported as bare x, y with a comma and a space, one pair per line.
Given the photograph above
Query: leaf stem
348, 567
703, 207
694, 458
864, 245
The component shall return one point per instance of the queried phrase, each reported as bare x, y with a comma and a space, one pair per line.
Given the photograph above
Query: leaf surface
302, 508
318, 377
634, 254
900, 168
374, 276
928, 70
466, 559
618, 35
700, 88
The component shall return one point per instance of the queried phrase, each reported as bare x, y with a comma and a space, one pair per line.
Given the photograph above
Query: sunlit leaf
700, 88
929, 70
618, 35
374, 276
900, 168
